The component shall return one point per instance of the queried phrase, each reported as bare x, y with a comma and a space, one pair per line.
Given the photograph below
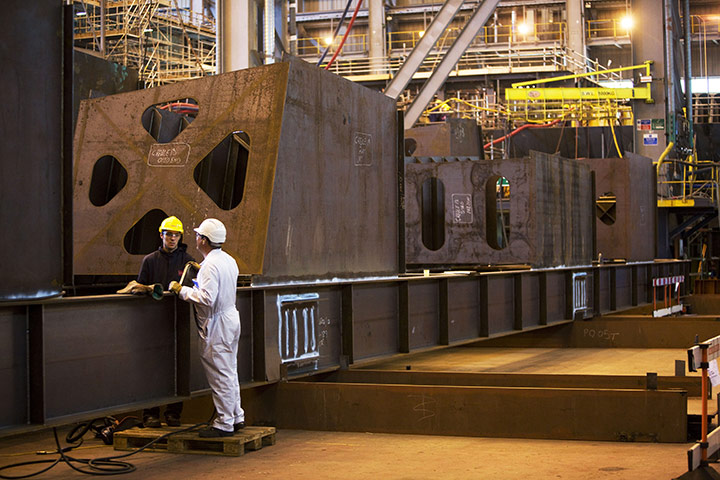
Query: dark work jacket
162, 267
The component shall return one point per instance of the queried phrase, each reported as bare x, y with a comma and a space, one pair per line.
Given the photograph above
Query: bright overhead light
627, 22
328, 40
81, 14
523, 28
421, 33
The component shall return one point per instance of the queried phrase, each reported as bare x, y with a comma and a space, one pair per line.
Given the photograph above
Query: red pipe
342, 42
518, 130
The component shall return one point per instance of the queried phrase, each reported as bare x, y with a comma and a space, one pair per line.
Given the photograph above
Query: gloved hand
175, 287
195, 265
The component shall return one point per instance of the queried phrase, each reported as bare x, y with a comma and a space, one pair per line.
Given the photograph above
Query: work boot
238, 426
213, 432
151, 421
172, 420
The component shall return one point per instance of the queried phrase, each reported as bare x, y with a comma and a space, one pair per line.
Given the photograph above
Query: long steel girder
512, 412
78, 358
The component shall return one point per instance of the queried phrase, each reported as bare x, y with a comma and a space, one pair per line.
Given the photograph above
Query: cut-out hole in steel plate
221, 174
144, 236
606, 208
433, 214
165, 121
497, 212
108, 178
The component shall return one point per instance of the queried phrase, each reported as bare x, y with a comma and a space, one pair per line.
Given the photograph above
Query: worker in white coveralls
218, 320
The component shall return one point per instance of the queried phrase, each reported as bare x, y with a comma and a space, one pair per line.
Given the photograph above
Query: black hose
337, 30
98, 466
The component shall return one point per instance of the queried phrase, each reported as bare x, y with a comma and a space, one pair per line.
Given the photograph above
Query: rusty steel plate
452, 212
318, 191
454, 137
625, 207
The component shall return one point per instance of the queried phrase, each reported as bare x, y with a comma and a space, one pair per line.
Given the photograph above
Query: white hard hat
213, 229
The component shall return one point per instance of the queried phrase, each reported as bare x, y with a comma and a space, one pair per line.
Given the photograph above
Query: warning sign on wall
650, 139
643, 124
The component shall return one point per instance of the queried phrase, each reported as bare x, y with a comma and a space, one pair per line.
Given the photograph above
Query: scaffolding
163, 41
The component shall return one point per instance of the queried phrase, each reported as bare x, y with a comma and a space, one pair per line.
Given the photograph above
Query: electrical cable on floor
97, 466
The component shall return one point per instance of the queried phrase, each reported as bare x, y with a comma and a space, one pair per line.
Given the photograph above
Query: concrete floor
330, 455
326, 455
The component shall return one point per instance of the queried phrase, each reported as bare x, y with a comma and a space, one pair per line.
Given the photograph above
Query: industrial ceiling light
627, 22
421, 33
523, 28
328, 40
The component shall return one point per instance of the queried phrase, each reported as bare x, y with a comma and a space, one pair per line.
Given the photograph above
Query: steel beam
440, 74
559, 413
432, 33
692, 385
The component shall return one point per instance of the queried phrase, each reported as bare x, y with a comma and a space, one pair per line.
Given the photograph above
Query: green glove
175, 287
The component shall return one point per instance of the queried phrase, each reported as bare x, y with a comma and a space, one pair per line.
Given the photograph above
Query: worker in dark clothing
163, 266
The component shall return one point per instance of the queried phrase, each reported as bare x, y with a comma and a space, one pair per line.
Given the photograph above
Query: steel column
347, 323
518, 294
36, 365
444, 316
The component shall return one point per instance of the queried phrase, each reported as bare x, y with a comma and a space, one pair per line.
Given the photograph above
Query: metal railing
549, 58
684, 181
606, 28
402, 43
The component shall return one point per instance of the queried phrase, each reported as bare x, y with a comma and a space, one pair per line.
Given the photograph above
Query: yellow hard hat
171, 224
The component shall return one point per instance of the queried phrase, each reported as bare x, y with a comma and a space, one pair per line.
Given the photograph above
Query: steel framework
163, 42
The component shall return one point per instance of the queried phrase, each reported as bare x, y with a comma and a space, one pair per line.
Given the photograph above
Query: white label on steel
168, 155
462, 208
714, 373
361, 149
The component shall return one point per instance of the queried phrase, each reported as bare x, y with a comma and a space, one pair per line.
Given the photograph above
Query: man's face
198, 241
170, 240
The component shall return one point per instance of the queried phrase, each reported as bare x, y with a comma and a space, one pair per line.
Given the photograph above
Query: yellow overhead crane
520, 92
586, 105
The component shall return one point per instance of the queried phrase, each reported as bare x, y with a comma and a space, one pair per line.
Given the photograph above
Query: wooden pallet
249, 438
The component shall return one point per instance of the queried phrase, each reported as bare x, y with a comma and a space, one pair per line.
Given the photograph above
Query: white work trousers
218, 352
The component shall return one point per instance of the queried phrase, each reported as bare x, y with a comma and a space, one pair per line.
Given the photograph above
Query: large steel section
320, 192
626, 227
335, 199
456, 137
549, 212
31, 149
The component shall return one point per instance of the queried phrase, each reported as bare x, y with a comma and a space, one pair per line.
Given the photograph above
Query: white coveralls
219, 329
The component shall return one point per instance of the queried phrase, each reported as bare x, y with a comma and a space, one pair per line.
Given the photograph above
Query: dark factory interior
347, 239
